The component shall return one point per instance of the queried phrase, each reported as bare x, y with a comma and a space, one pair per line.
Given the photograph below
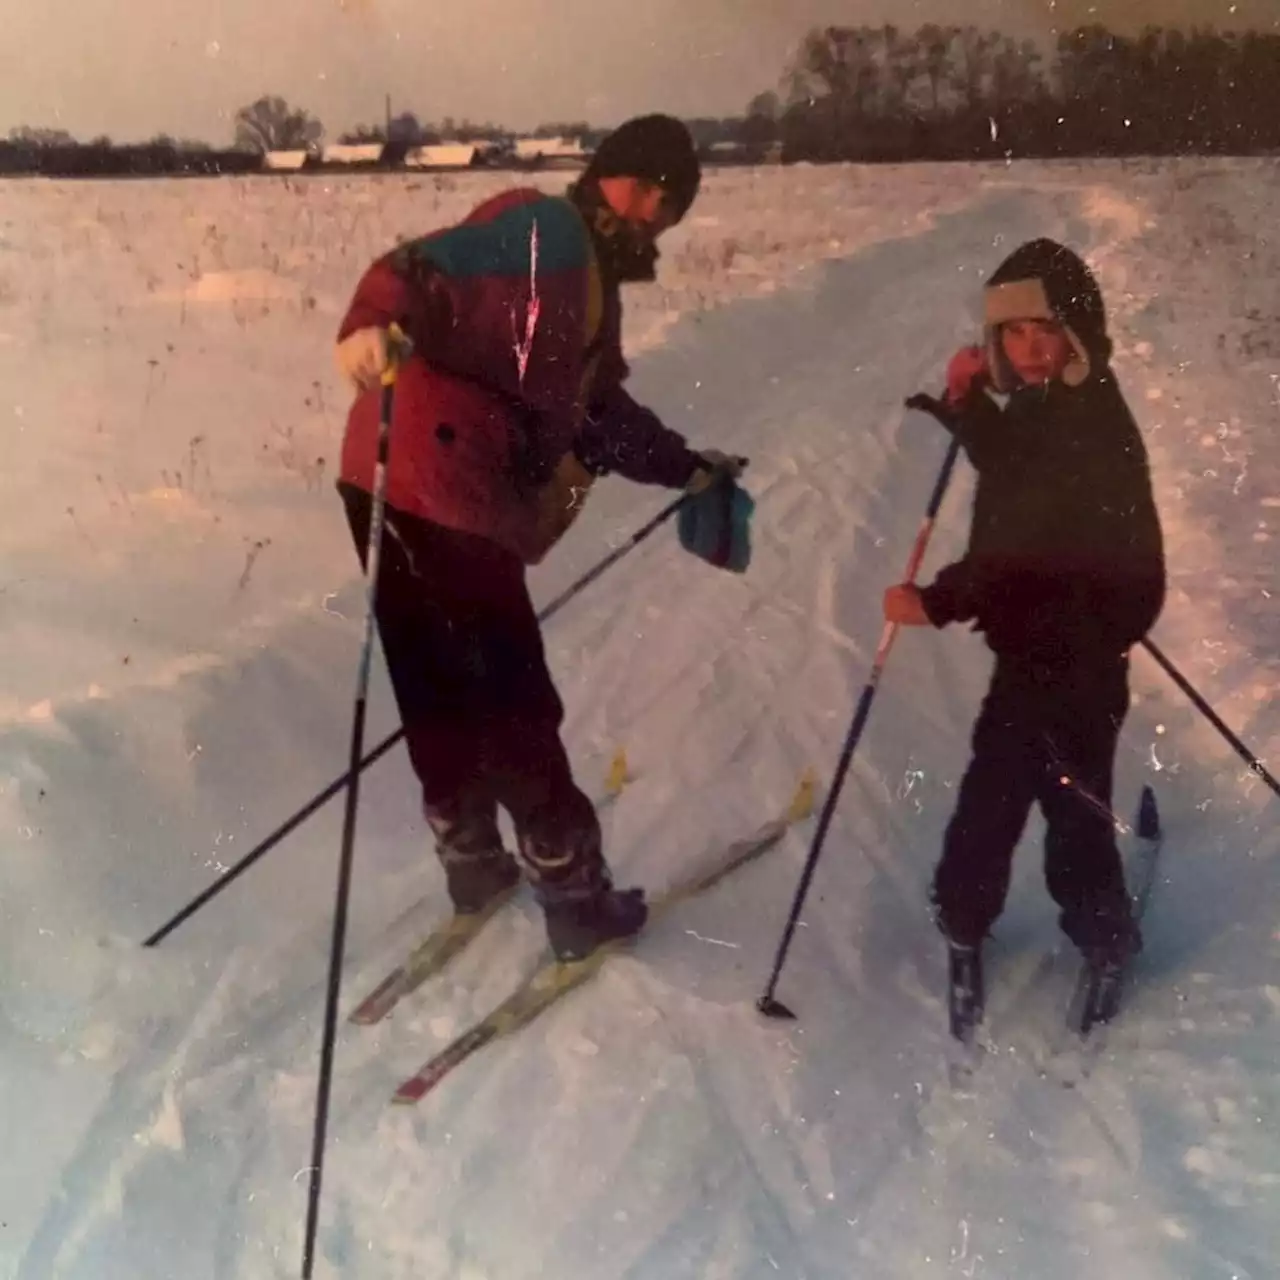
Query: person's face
642, 205
1037, 350
644, 212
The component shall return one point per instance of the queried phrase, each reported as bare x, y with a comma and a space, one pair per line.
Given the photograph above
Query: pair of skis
451, 936
552, 980
1096, 998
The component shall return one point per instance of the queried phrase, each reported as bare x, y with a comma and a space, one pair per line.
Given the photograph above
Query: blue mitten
715, 523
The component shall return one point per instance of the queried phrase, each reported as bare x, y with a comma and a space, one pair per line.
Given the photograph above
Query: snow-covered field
181, 619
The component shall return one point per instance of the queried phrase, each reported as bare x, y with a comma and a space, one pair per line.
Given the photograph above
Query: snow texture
182, 615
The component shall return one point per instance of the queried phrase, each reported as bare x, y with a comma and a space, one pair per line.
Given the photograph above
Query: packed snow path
183, 654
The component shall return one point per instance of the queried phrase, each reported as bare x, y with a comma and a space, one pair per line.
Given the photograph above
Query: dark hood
1044, 280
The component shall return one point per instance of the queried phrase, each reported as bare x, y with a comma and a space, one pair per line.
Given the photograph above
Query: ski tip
377, 1004
775, 1009
1148, 815
619, 773
409, 1093
802, 802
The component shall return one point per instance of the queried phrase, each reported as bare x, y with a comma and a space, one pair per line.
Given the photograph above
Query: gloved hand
717, 464
903, 606
966, 373
364, 356
715, 518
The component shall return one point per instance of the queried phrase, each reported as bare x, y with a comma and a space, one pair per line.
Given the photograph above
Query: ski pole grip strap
934, 407
399, 347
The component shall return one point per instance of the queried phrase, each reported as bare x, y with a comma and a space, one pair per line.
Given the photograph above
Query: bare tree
1014, 70
856, 93
840, 63
407, 128
363, 134
935, 60
762, 124
563, 129
972, 65
25, 135
271, 124
904, 62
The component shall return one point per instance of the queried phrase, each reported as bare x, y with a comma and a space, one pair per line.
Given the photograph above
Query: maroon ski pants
480, 711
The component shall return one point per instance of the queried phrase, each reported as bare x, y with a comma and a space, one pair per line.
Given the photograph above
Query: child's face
1038, 350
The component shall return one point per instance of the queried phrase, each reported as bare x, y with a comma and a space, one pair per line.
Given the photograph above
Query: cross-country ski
451, 936
554, 979
1100, 986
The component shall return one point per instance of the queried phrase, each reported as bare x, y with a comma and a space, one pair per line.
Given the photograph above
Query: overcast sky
135, 68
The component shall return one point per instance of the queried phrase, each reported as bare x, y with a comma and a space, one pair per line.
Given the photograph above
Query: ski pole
399, 347
633, 541
1255, 765
323, 797
768, 1004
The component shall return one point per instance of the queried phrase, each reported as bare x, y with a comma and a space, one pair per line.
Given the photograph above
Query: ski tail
431, 956
1100, 987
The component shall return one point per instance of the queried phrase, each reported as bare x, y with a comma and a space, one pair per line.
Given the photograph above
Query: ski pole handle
925, 532
399, 348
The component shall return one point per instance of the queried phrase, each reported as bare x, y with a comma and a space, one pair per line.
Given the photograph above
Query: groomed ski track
654, 1126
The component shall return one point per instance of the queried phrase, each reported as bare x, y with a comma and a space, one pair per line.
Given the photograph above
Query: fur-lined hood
1044, 280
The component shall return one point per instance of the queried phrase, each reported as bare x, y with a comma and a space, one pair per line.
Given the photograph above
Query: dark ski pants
1048, 738
481, 713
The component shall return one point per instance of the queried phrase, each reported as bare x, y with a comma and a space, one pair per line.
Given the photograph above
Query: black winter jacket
1065, 562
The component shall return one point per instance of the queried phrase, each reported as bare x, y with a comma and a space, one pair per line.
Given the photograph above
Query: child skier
1064, 572
509, 407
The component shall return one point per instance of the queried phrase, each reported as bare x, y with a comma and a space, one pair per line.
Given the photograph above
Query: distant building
726, 153
286, 160
537, 151
443, 155
520, 153
352, 153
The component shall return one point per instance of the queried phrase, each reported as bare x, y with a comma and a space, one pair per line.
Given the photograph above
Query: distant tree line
851, 93
268, 124
55, 153
408, 129
951, 92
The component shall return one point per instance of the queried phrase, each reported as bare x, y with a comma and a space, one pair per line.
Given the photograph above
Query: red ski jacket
512, 402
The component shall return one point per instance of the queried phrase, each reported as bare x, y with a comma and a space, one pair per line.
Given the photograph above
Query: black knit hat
1044, 280
655, 148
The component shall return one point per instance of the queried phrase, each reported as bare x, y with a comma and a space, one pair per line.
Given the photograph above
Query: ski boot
578, 924
477, 884
479, 871
1106, 964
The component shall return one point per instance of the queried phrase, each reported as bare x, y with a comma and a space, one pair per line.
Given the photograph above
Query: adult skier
511, 404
